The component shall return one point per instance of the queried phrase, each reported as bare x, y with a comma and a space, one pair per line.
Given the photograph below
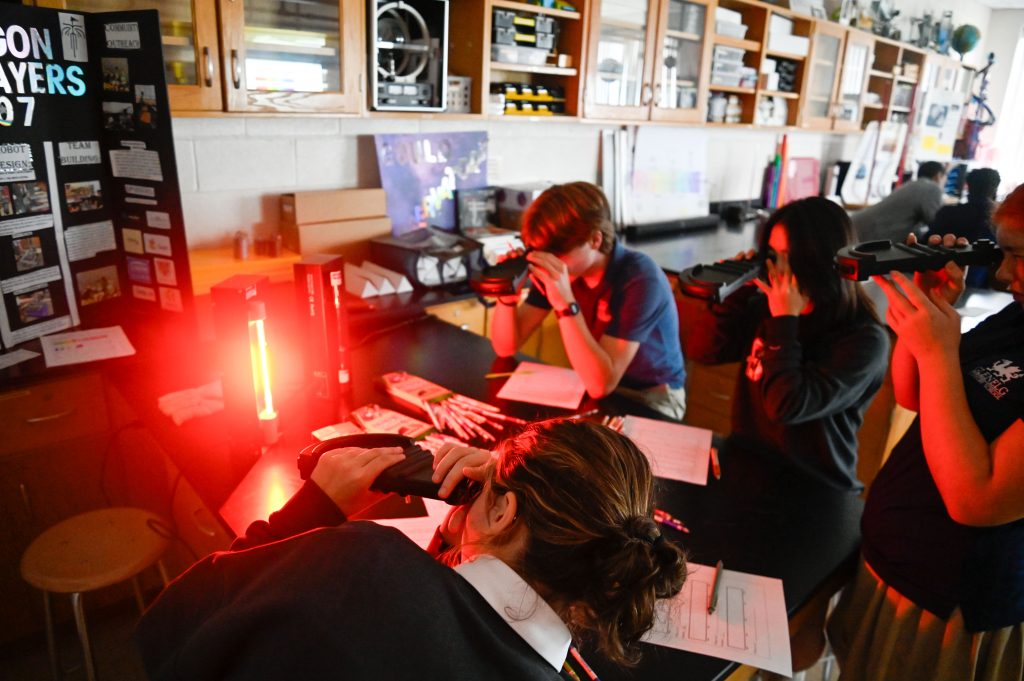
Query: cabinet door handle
26, 501
648, 94
50, 417
657, 94
236, 69
208, 66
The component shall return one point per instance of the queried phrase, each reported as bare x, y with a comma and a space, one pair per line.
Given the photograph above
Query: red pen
666, 518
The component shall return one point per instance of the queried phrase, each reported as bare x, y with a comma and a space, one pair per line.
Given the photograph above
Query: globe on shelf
965, 39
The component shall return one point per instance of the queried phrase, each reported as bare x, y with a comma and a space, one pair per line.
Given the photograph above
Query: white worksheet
748, 626
89, 345
543, 384
676, 452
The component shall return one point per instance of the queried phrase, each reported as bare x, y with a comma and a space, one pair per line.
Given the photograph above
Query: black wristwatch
571, 310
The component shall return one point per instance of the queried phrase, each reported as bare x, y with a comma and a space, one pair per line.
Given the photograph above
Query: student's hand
452, 463
552, 274
782, 289
926, 323
947, 282
345, 475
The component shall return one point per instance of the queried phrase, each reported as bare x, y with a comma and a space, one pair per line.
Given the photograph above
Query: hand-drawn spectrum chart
748, 626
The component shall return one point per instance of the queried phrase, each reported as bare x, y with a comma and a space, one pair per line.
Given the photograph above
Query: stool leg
163, 571
51, 641
138, 594
83, 635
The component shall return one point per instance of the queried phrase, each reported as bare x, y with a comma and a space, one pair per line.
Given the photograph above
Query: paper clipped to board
87, 345
543, 384
676, 452
748, 626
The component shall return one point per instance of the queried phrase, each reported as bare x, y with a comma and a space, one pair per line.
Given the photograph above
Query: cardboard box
331, 205
347, 237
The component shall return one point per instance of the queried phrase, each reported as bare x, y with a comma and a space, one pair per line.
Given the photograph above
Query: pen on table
713, 601
716, 468
505, 374
666, 518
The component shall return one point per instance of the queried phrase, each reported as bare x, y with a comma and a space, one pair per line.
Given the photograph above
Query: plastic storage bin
730, 29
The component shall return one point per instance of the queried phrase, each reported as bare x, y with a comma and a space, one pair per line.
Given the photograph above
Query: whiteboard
668, 179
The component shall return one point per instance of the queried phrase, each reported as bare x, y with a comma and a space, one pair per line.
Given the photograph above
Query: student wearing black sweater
815, 353
560, 543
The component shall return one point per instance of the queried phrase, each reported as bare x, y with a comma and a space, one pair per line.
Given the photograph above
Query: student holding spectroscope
939, 593
615, 309
560, 542
815, 353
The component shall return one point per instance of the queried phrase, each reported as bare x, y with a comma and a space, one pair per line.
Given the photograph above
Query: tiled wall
232, 170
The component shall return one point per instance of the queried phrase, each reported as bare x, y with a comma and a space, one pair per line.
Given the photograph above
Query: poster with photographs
91, 227
35, 284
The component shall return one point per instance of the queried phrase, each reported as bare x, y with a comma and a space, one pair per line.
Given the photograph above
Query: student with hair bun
559, 544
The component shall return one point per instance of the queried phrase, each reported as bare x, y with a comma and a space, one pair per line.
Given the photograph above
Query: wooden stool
88, 552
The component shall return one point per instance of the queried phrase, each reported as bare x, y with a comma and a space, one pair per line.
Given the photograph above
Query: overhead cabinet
290, 56
647, 60
188, 31
300, 56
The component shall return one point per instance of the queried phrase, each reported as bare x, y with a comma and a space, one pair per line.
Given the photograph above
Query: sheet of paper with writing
748, 625
543, 384
676, 452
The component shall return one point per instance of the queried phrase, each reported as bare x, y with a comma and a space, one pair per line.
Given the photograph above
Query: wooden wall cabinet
647, 60
858, 57
256, 55
188, 29
893, 81
293, 57
818, 105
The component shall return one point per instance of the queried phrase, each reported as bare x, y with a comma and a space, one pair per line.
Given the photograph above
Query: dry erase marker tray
718, 281
864, 260
409, 477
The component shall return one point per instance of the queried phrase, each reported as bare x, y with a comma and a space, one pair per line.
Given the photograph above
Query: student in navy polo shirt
939, 594
615, 310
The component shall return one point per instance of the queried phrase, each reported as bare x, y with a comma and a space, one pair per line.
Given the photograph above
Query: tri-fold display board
91, 228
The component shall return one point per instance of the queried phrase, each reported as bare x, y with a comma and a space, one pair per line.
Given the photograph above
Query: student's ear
503, 512
596, 239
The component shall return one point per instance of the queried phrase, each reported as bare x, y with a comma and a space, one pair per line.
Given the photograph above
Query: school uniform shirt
802, 391
634, 302
357, 601
910, 540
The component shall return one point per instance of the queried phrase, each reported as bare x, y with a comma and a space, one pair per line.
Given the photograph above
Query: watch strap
571, 310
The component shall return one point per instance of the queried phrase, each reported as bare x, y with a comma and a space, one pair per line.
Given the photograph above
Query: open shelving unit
470, 54
760, 105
